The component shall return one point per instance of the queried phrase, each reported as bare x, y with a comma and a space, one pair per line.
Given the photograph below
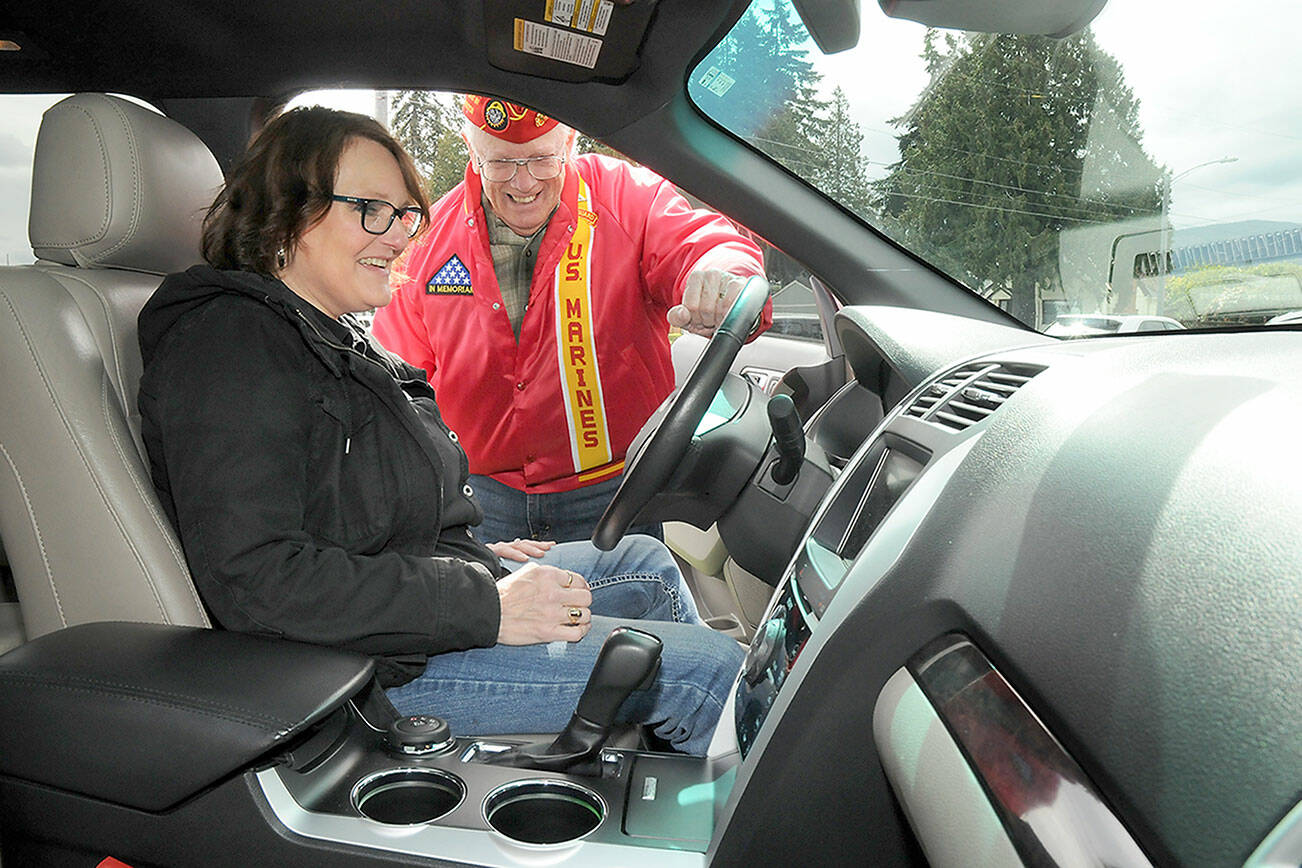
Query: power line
1006, 210
1126, 210
1057, 212
1031, 191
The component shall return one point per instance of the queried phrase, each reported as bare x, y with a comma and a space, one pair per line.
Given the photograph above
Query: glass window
22, 114
428, 123
795, 313
1146, 166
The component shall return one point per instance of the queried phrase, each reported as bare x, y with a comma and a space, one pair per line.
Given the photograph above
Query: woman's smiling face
337, 265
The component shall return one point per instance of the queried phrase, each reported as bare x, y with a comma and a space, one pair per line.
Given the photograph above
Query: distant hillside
1228, 231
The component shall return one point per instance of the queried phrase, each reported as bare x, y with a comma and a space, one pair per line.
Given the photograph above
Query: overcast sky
1214, 80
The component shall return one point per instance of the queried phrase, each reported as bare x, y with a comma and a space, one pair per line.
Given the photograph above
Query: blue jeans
535, 688
562, 516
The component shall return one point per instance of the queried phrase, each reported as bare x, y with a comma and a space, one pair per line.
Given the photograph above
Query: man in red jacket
539, 302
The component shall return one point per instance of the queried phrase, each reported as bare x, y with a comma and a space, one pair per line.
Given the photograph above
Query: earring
280, 257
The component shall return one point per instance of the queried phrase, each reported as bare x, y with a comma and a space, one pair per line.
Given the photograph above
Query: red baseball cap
508, 121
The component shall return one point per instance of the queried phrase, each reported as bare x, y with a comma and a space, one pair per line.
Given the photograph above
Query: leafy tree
1016, 140
429, 126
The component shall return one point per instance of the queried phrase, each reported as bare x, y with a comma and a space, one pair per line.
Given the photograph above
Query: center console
408, 784
148, 740
349, 786
874, 480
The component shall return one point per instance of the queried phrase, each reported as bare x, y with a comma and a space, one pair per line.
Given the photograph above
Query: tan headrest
117, 185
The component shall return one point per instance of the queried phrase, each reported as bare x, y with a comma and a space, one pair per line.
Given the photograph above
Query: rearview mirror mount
833, 24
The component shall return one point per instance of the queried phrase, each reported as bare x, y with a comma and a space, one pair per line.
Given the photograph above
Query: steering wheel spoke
666, 437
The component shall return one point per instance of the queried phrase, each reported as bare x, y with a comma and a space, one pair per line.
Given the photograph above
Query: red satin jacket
558, 410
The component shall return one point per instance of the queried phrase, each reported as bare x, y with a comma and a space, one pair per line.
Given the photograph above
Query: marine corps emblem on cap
495, 116
508, 121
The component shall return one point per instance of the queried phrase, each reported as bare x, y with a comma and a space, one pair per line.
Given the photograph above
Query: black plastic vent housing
970, 393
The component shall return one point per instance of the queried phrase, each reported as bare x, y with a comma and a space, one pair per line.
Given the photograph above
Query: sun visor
567, 40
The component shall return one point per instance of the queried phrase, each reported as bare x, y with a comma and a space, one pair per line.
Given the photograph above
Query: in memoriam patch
452, 279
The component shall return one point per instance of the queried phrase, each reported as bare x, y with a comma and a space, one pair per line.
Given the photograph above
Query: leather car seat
118, 196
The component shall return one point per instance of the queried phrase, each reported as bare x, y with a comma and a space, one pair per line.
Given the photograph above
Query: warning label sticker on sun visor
590, 15
556, 44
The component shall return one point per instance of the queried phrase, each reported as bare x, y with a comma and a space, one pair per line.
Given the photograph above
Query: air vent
969, 394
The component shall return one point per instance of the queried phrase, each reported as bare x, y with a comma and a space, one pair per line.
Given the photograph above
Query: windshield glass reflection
1146, 168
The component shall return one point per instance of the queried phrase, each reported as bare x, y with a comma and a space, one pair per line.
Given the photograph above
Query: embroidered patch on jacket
589, 217
452, 279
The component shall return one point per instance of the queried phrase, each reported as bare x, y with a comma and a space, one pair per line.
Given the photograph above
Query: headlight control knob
419, 734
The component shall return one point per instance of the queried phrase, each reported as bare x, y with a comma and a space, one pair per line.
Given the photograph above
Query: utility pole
1164, 253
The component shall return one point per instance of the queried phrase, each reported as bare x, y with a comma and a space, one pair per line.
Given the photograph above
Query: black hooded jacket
317, 492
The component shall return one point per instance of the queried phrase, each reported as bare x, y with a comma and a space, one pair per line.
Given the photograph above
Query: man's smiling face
523, 203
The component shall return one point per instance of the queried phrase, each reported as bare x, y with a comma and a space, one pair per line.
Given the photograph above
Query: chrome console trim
400, 775
1050, 809
1282, 847
467, 846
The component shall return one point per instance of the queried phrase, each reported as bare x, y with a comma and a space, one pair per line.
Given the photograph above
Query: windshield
1147, 166
1101, 323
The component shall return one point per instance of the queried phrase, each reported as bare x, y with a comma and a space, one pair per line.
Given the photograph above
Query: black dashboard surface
1120, 539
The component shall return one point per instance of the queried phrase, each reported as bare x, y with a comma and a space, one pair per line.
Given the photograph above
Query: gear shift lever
628, 659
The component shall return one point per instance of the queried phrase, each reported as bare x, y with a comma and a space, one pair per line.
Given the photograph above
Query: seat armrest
146, 715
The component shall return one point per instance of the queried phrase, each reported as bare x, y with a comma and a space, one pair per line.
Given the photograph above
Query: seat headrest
117, 185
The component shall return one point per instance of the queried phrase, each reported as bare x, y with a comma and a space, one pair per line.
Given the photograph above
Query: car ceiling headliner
164, 49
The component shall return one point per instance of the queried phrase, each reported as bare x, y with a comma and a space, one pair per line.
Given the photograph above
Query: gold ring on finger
569, 578
576, 615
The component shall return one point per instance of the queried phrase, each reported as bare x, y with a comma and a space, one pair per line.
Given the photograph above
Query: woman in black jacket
320, 497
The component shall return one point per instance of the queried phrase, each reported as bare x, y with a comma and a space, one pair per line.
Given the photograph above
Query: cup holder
406, 797
544, 812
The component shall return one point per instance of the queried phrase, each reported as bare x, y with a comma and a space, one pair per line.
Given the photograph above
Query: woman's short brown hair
283, 185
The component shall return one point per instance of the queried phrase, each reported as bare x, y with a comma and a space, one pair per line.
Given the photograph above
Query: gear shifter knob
628, 659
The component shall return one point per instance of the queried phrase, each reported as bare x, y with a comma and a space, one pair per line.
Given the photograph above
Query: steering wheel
663, 441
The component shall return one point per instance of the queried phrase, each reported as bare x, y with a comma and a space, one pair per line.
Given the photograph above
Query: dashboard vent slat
968, 395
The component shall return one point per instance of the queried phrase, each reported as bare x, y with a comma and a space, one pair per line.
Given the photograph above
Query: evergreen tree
1016, 140
841, 171
588, 145
429, 126
760, 84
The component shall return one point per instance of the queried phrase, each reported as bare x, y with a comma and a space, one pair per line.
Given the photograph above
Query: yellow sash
585, 411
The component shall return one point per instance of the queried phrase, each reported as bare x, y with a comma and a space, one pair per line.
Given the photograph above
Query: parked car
1078, 325
1008, 600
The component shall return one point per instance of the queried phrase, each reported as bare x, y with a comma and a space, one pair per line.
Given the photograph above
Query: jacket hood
181, 293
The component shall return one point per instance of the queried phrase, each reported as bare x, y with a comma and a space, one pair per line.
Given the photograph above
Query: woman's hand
543, 604
521, 549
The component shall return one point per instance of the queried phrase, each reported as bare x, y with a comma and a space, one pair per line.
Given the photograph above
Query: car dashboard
1005, 633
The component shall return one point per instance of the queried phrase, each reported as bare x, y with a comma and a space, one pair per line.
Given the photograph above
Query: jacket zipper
329, 342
